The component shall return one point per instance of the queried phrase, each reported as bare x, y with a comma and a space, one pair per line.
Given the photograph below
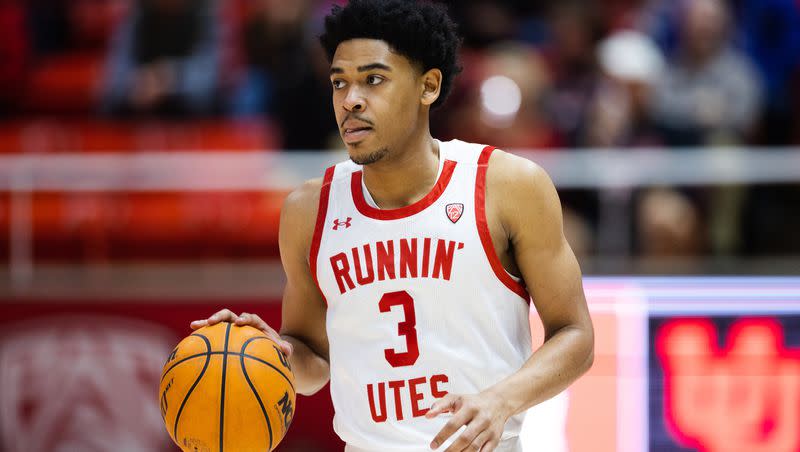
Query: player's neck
406, 177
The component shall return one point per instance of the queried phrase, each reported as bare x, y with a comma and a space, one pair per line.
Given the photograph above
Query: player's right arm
303, 337
304, 309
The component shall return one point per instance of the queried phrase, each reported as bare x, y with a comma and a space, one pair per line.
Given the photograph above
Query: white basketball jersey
419, 304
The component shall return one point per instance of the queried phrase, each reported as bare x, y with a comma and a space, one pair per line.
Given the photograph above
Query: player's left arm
526, 204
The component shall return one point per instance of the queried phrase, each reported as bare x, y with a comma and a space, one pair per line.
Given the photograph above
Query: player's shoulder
303, 201
514, 174
299, 213
521, 193
524, 198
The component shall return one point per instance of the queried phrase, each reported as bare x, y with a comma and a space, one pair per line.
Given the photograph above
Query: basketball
227, 388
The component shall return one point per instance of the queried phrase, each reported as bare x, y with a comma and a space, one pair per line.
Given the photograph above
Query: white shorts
512, 444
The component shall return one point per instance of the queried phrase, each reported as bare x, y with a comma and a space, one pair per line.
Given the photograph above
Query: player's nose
354, 101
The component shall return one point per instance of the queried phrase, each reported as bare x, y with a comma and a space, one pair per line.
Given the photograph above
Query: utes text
414, 391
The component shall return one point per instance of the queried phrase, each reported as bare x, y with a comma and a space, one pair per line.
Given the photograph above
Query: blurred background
146, 147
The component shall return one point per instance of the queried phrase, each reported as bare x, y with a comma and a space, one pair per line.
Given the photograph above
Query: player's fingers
468, 439
256, 321
490, 445
478, 443
253, 320
461, 418
224, 315
286, 347
443, 405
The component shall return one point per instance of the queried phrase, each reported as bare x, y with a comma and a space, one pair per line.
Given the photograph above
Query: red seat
166, 225
109, 136
66, 83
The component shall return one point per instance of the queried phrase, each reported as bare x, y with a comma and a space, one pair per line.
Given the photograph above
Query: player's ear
431, 86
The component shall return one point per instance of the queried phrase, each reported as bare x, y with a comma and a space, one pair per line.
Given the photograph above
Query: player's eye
337, 84
374, 79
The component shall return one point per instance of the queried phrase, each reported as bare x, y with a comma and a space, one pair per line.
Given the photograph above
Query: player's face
376, 98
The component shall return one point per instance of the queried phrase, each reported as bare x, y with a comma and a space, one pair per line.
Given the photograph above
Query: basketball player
409, 267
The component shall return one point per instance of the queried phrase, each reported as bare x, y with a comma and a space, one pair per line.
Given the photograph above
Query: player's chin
367, 156
360, 158
364, 153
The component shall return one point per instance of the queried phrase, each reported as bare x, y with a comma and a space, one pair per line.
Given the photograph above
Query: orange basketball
227, 388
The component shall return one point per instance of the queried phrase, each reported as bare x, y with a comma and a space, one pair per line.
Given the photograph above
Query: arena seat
152, 225
64, 84
46, 135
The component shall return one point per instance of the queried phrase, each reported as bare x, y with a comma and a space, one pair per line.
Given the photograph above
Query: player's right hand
245, 319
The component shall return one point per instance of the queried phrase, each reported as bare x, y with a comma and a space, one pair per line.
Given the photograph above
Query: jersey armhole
483, 229
322, 213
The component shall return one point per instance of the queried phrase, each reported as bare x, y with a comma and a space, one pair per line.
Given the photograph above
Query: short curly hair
422, 31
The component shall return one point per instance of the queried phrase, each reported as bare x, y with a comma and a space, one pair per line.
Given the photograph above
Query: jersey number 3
407, 328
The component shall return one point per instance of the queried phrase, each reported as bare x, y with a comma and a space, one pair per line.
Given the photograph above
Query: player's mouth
353, 135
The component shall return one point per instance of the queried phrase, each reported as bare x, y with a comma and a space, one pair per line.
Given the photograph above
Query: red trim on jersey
322, 213
395, 214
483, 228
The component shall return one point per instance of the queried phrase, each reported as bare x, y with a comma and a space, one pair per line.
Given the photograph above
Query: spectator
286, 74
618, 116
660, 19
505, 105
483, 23
669, 225
710, 92
575, 32
165, 60
629, 63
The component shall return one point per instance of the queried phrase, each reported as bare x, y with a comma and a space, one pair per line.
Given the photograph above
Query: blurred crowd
553, 75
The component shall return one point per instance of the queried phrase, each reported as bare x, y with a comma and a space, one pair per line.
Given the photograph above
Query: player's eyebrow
364, 68
373, 66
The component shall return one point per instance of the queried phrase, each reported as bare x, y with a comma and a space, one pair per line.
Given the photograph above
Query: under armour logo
338, 223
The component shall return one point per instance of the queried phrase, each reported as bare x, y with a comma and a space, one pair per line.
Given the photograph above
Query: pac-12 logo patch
454, 211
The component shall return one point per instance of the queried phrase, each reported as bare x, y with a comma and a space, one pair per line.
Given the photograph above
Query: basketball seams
242, 356
187, 358
222, 389
183, 360
263, 394
257, 359
265, 362
198, 355
191, 389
